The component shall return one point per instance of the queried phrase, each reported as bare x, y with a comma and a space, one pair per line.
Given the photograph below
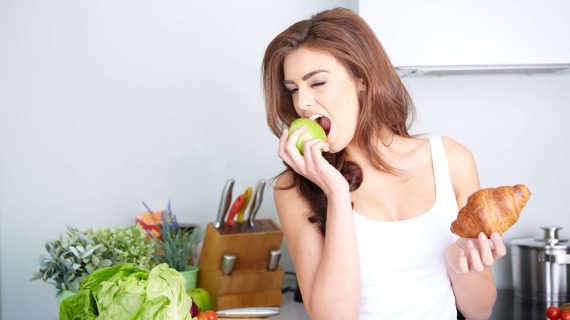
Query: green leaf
95, 260
74, 251
78, 307
90, 251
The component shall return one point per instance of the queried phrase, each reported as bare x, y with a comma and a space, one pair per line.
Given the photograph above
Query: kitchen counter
510, 307
507, 307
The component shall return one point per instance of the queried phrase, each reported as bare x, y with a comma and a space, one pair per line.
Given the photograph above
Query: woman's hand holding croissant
474, 254
486, 212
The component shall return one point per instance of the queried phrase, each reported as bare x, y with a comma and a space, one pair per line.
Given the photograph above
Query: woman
366, 214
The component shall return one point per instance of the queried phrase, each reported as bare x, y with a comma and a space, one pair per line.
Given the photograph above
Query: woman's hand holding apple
311, 163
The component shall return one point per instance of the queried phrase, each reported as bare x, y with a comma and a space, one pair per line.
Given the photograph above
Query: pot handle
557, 258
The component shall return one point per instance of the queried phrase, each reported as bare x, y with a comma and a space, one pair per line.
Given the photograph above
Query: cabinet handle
556, 258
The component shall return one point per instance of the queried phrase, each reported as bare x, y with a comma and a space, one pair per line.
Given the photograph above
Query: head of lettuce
126, 292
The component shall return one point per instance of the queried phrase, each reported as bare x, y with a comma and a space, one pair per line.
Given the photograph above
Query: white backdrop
516, 126
448, 32
105, 104
108, 103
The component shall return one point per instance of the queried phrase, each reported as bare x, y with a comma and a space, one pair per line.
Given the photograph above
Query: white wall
449, 32
104, 104
516, 126
107, 103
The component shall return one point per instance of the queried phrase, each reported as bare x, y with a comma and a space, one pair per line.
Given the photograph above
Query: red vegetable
553, 313
212, 315
565, 315
208, 315
194, 310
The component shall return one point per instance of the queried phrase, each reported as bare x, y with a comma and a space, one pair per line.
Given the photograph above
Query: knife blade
256, 203
255, 312
225, 202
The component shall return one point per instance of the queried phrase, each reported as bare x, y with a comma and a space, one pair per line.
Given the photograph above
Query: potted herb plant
70, 258
175, 246
127, 245
76, 254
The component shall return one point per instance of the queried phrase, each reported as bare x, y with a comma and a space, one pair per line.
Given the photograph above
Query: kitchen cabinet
471, 33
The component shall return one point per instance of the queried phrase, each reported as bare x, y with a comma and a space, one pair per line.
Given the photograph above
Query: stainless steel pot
541, 267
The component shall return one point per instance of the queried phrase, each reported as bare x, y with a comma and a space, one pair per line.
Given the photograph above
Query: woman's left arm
469, 261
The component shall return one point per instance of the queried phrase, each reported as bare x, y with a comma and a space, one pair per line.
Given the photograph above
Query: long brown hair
384, 103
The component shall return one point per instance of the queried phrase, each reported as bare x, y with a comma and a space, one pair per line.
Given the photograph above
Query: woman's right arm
328, 270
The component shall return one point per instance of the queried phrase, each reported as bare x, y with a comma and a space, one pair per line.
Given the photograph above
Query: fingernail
495, 236
482, 236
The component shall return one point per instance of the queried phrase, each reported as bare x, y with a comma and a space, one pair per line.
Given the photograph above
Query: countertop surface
289, 310
507, 307
511, 307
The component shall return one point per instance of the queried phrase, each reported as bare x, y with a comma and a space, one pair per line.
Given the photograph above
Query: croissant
489, 210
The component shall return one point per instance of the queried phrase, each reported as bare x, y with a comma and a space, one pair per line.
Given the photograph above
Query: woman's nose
305, 100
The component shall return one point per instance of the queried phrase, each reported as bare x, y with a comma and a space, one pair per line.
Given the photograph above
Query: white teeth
315, 116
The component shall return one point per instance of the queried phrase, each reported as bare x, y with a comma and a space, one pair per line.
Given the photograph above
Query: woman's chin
333, 148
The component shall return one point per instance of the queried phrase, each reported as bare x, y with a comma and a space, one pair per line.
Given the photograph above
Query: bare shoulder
458, 155
289, 202
284, 180
462, 169
284, 188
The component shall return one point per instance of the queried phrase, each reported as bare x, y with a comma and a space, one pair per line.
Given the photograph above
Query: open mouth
323, 121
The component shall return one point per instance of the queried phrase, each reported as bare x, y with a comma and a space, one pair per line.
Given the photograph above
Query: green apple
314, 131
201, 297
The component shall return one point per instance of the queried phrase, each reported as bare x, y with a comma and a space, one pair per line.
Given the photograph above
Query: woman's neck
386, 141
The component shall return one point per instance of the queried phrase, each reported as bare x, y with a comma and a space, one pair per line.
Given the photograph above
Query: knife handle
256, 204
238, 204
253, 200
225, 202
241, 212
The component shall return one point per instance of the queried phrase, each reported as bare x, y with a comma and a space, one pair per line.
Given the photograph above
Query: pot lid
549, 239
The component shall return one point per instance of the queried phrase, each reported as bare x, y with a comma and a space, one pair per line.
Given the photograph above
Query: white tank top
402, 264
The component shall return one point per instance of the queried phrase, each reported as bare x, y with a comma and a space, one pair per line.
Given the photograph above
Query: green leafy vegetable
127, 292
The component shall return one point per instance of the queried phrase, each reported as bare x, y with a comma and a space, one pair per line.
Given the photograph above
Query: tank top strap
444, 187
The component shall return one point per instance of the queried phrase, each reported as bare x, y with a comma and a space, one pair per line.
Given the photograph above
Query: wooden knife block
249, 284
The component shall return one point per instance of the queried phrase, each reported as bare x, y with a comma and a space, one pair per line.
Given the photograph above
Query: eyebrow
307, 76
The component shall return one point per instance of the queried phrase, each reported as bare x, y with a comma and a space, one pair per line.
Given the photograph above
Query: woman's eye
316, 84
292, 91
